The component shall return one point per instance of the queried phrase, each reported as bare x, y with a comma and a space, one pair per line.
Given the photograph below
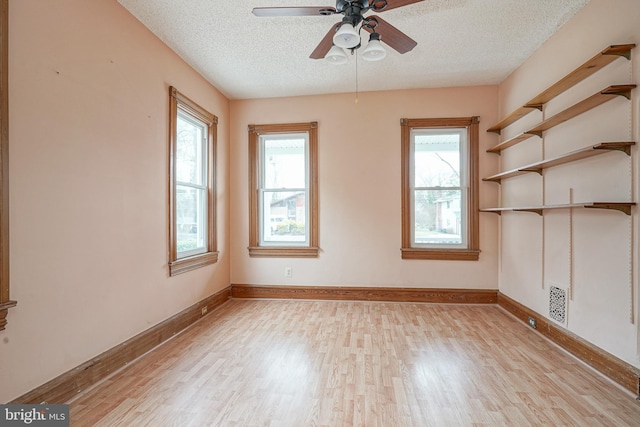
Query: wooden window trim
5, 301
255, 250
472, 253
182, 265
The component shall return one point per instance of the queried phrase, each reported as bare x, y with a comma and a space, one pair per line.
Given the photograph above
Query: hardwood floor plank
346, 363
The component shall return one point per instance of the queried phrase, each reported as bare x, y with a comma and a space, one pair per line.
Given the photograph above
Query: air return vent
557, 304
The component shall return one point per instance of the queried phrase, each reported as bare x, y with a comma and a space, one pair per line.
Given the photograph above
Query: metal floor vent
557, 304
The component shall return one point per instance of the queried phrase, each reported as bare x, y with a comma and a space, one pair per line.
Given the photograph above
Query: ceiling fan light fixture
346, 37
336, 56
374, 50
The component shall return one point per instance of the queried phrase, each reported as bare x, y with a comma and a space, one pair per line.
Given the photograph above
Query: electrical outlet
532, 322
204, 310
288, 272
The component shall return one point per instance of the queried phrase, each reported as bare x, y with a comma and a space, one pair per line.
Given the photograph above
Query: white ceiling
460, 43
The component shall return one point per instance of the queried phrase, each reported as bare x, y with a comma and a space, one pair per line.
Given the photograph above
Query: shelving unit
583, 106
580, 154
596, 63
599, 61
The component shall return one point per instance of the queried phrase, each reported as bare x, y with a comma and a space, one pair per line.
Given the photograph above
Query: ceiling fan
345, 34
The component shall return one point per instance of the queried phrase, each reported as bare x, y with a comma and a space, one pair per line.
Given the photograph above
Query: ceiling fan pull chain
356, 54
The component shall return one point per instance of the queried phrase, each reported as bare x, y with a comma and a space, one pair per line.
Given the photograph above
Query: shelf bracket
536, 106
534, 210
625, 149
536, 170
626, 53
536, 133
626, 209
623, 90
497, 180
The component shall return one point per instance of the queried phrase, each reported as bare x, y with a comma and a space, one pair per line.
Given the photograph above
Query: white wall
592, 254
359, 190
89, 109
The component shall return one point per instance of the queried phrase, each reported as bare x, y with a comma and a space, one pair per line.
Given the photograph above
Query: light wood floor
307, 363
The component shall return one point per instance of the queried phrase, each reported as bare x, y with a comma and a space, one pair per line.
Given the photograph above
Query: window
283, 200
192, 192
5, 301
440, 189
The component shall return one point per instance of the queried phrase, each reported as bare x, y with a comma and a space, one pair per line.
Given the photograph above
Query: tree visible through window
439, 188
192, 192
439, 203
191, 185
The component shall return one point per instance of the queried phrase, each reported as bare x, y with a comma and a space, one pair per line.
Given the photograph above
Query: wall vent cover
557, 304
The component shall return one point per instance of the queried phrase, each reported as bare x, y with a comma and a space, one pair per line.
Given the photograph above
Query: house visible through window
192, 192
283, 189
283, 200
440, 214
439, 188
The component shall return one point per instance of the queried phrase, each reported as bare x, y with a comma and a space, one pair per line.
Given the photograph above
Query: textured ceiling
460, 43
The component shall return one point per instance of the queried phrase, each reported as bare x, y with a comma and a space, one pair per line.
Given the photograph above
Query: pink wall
591, 254
359, 185
88, 186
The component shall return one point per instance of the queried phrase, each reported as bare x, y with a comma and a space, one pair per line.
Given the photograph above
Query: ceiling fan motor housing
341, 5
353, 11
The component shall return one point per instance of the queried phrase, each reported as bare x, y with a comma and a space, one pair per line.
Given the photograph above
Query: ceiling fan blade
325, 44
390, 35
294, 11
394, 4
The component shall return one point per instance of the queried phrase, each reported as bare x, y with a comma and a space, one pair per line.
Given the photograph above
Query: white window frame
262, 188
202, 189
463, 187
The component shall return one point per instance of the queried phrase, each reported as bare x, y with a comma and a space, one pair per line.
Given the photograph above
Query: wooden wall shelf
624, 207
573, 156
583, 106
496, 149
596, 63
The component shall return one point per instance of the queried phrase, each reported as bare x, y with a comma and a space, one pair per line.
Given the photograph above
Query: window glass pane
437, 160
284, 163
284, 216
190, 220
190, 150
438, 217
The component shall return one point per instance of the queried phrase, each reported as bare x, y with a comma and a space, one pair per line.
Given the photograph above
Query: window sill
191, 263
441, 254
284, 251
